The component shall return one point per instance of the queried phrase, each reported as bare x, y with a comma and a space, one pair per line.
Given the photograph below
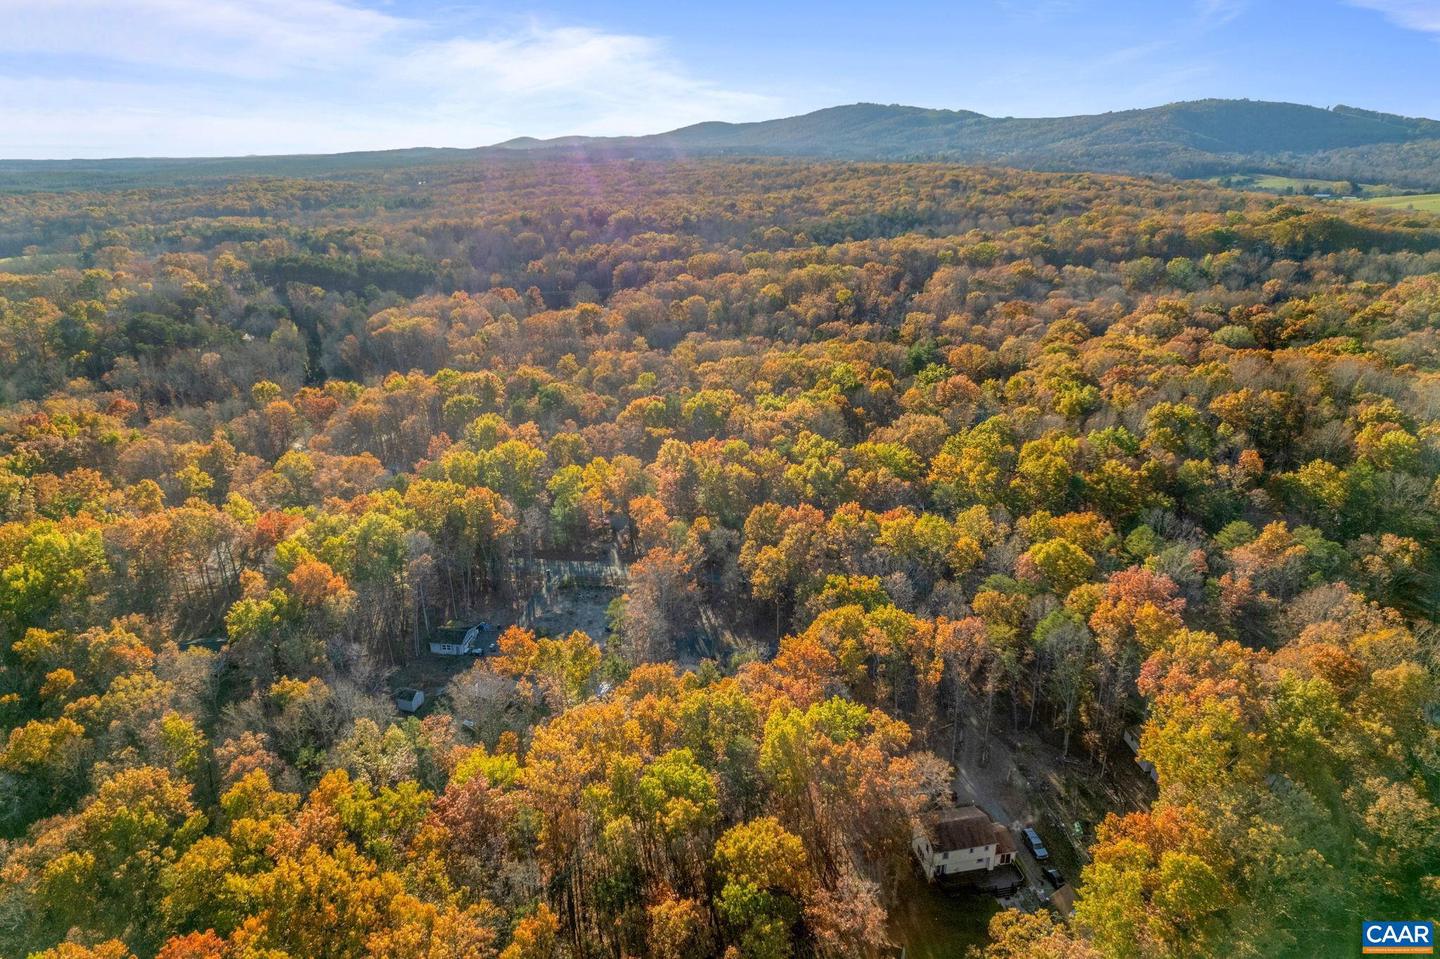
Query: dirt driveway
1025, 781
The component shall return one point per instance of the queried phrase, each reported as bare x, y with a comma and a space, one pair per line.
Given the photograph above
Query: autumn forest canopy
889, 472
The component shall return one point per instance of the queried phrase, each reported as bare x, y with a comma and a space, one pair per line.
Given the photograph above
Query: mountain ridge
1192, 138
1186, 138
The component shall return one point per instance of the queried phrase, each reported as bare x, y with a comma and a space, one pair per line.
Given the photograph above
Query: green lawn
1423, 202
931, 924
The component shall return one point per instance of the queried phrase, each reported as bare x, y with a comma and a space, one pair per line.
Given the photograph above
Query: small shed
409, 700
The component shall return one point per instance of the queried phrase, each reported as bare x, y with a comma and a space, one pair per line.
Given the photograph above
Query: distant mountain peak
1185, 138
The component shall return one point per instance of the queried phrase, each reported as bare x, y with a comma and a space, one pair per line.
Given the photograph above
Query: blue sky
87, 78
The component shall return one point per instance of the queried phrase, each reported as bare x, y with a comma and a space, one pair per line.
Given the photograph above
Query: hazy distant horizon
397, 148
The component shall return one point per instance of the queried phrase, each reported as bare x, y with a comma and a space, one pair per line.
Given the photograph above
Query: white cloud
1422, 15
242, 38
1217, 13
178, 77
594, 82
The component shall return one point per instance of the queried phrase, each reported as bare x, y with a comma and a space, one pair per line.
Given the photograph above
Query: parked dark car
1037, 847
1053, 877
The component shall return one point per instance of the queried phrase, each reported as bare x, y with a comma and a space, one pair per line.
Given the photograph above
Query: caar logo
1394, 938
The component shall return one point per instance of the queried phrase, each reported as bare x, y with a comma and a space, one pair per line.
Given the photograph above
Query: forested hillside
901, 466
1195, 139
1198, 138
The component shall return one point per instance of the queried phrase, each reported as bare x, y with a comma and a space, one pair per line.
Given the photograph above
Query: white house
964, 839
464, 641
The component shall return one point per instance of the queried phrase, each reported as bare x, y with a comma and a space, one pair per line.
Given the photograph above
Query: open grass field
1375, 194
1271, 183
1423, 202
1281, 183
37, 264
